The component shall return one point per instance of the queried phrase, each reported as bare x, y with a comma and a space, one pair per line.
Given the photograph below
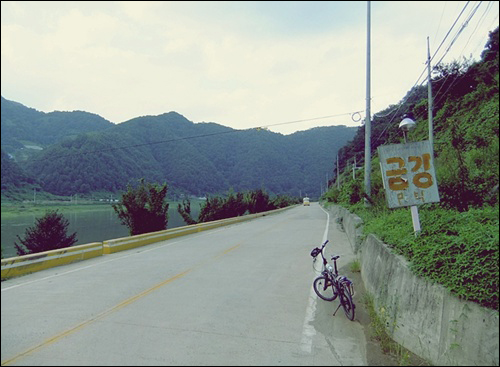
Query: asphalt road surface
236, 295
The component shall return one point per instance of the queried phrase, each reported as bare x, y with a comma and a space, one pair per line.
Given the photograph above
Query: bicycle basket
315, 252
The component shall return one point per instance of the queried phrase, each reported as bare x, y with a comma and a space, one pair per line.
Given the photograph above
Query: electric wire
459, 32
464, 25
260, 127
439, 95
356, 113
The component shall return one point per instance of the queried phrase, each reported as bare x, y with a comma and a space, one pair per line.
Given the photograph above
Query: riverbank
12, 210
92, 221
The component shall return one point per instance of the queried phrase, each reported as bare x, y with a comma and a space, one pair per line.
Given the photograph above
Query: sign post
409, 177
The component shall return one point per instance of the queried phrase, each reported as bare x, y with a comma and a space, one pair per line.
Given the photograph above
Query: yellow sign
408, 174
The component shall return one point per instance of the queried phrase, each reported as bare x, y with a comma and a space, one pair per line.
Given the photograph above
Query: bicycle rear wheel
324, 288
347, 303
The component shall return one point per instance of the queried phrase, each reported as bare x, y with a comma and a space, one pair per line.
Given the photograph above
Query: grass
355, 266
459, 250
379, 324
12, 211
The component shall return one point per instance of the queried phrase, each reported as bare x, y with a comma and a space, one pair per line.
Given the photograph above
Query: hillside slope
196, 158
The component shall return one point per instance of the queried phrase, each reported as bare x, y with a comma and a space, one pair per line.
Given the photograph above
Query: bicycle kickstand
337, 309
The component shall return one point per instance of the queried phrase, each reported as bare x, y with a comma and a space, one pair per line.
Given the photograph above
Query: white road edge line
308, 331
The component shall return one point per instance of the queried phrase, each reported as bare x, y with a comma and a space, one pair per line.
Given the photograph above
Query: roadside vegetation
234, 205
458, 245
456, 249
48, 233
143, 208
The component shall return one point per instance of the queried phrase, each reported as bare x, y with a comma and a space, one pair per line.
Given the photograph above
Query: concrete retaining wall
21, 265
423, 317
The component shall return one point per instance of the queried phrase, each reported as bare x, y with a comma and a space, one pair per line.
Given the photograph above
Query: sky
282, 65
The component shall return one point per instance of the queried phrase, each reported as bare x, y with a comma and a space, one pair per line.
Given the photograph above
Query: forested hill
465, 133
23, 126
197, 158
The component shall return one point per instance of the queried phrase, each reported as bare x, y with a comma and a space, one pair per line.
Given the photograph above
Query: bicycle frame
325, 262
341, 285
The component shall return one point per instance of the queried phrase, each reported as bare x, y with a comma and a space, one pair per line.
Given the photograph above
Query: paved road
237, 295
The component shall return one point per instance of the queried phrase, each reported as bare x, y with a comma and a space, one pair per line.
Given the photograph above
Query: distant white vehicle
306, 201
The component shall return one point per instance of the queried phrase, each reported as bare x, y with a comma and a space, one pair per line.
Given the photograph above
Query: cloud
240, 64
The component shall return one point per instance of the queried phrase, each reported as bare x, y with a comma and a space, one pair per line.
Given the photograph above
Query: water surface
93, 225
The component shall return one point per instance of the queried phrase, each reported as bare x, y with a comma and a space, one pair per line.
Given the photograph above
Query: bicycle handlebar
316, 251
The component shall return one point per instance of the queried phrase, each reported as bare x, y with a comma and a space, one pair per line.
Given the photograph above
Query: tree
491, 49
49, 233
144, 209
258, 201
185, 212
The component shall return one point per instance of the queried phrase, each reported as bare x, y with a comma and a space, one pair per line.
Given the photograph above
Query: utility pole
429, 97
354, 169
368, 114
338, 175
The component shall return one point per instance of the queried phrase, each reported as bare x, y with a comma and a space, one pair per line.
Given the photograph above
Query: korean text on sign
408, 174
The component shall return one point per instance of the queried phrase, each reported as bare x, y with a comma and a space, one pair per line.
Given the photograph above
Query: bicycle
330, 285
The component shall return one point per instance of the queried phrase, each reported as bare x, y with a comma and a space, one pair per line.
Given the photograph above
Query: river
90, 226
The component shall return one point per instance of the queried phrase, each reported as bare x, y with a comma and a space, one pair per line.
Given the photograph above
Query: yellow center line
119, 306
228, 250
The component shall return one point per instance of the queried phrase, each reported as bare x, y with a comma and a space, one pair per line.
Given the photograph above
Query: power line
439, 95
311, 119
464, 25
447, 34
459, 32
196, 136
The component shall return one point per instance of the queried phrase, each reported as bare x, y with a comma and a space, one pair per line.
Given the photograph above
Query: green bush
458, 244
459, 250
144, 209
49, 233
234, 205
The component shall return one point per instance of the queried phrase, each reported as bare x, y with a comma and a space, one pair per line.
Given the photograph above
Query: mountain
12, 175
196, 158
26, 130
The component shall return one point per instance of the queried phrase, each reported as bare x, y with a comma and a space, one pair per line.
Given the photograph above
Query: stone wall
423, 317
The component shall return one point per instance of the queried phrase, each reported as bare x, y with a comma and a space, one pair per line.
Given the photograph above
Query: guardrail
21, 265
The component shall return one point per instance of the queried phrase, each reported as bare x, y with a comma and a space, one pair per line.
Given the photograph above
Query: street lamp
406, 125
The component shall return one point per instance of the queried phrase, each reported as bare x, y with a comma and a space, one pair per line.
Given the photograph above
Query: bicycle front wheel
347, 303
324, 288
